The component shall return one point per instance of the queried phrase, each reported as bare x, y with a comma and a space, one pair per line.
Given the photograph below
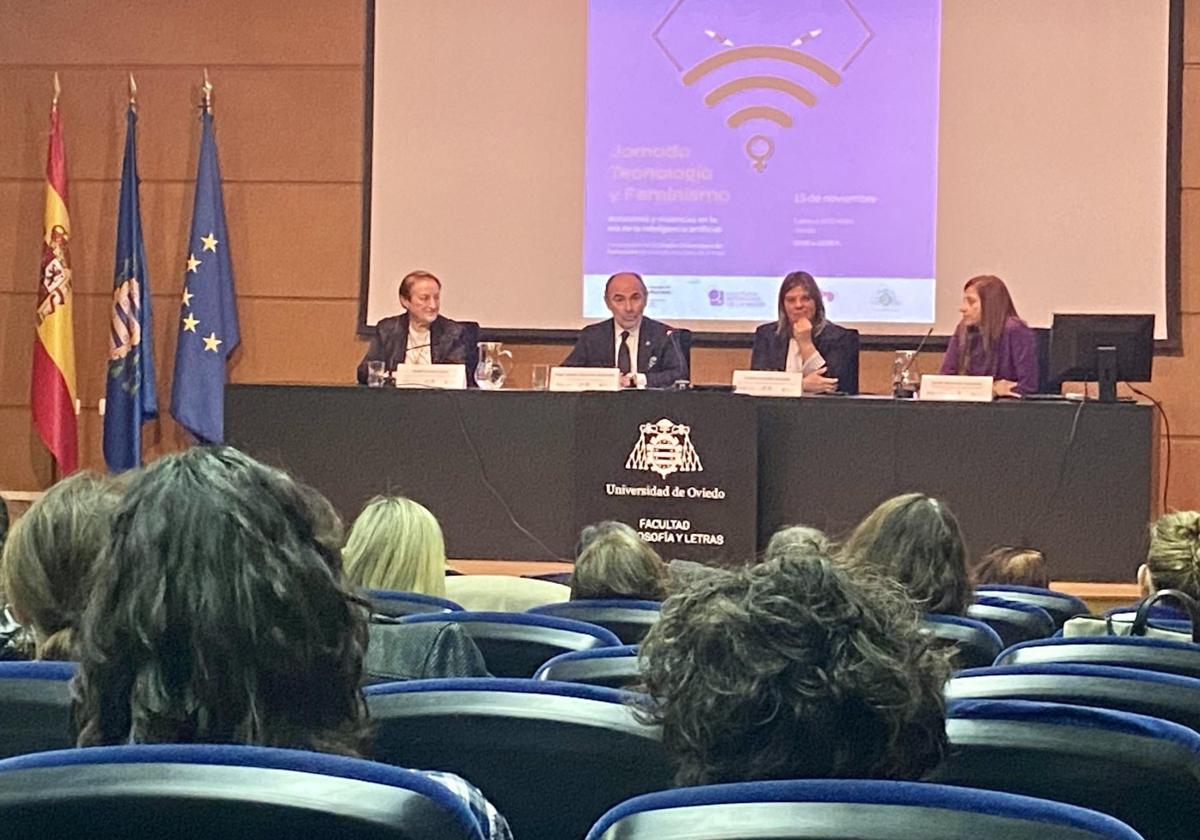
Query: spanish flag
53, 382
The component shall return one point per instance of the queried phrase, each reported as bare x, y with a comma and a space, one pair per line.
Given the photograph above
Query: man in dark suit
643, 349
422, 335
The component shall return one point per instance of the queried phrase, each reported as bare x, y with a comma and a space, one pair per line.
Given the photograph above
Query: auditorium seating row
555, 756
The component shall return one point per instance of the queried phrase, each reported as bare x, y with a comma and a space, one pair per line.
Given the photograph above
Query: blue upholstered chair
1060, 605
842, 808
35, 707
976, 645
1122, 651
1142, 770
615, 667
398, 604
516, 644
1167, 696
631, 620
207, 791
552, 757
1013, 621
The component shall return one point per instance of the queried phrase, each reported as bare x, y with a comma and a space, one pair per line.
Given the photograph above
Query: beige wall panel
1189, 269
21, 204
272, 123
1191, 32
297, 341
1190, 172
1184, 492
1177, 383
218, 32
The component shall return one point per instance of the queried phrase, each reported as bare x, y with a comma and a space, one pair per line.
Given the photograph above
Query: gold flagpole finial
206, 93
57, 90
132, 92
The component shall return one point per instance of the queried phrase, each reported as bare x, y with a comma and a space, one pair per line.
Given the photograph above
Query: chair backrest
1122, 651
1060, 605
615, 667
552, 757
976, 645
843, 808
1142, 770
631, 620
35, 707
205, 791
516, 644
398, 651
1013, 621
396, 604
471, 339
1167, 696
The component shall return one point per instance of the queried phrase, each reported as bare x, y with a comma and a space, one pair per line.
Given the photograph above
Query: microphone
673, 337
917, 352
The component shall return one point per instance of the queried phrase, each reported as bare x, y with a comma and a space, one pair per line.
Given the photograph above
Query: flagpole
133, 92
206, 90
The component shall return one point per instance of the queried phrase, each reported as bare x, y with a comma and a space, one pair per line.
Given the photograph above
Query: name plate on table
768, 383
449, 377
585, 379
956, 388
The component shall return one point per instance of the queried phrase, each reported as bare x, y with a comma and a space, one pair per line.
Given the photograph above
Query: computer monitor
1102, 348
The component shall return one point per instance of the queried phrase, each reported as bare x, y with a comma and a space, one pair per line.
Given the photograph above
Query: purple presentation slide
732, 141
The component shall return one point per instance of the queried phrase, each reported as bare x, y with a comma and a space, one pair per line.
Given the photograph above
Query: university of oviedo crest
664, 447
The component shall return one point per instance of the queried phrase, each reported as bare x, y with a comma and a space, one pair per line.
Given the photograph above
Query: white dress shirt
417, 351
794, 365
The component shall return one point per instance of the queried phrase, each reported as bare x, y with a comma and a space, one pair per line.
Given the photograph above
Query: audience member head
591, 533
800, 297
215, 616
796, 538
795, 668
328, 529
1173, 561
49, 554
1013, 566
985, 309
914, 539
396, 544
617, 565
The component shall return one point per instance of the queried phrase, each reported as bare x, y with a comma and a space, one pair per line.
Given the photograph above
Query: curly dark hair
915, 539
794, 668
216, 617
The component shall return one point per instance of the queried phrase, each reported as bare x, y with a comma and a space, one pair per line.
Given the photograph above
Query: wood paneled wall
289, 115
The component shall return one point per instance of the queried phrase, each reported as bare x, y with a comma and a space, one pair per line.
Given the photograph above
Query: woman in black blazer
802, 340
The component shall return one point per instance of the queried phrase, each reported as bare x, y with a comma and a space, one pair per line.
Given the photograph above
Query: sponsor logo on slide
790, 53
886, 298
664, 447
716, 297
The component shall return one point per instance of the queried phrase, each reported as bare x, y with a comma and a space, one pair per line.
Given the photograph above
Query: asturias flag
130, 397
52, 384
208, 322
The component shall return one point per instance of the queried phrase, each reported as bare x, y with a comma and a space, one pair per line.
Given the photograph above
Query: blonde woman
396, 544
1173, 561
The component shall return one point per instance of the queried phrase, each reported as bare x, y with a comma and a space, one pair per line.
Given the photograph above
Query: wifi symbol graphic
760, 147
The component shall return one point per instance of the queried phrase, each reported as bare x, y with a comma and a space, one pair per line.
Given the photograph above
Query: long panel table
514, 474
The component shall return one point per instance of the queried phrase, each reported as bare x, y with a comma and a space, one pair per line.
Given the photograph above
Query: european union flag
131, 397
208, 322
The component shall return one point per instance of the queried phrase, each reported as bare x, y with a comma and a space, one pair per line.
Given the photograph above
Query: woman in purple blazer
992, 340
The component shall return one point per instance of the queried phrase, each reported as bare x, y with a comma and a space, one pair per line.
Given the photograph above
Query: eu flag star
187, 296
189, 323
211, 342
193, 263
210, 242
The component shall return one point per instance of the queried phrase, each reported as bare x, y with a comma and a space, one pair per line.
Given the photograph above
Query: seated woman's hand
1005, 388
802, 331
818, 383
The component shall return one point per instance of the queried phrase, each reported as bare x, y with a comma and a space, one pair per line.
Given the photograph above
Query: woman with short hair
397, 544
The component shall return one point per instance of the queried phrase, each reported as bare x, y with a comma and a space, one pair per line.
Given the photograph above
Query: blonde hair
396, 544
47, 560
1174, 555
617, 565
